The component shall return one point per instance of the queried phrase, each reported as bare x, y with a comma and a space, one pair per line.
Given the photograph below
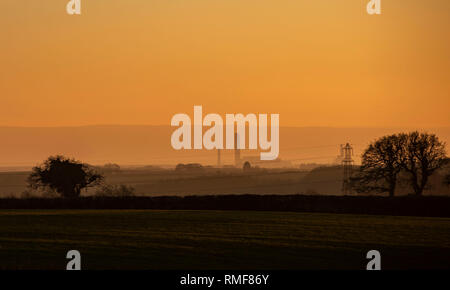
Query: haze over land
144, 145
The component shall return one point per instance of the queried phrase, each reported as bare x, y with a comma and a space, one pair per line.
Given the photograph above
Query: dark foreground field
427, 206
150, 239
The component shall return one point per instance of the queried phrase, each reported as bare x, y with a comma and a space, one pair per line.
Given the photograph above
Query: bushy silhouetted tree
381, 165
423, 155
66, 176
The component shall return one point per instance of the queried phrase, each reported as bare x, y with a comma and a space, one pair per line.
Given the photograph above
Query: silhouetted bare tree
381, 164
66, 176
423, 155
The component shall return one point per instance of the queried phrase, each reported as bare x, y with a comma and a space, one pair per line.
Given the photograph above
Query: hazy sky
315, 62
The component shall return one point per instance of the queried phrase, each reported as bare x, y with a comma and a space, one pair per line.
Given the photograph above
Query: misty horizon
150, 144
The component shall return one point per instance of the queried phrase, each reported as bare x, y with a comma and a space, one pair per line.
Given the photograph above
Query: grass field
147, 239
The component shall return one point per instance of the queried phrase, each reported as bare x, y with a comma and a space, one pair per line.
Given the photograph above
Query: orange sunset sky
316, 63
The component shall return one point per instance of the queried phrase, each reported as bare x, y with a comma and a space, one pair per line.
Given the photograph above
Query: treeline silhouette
431, 206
